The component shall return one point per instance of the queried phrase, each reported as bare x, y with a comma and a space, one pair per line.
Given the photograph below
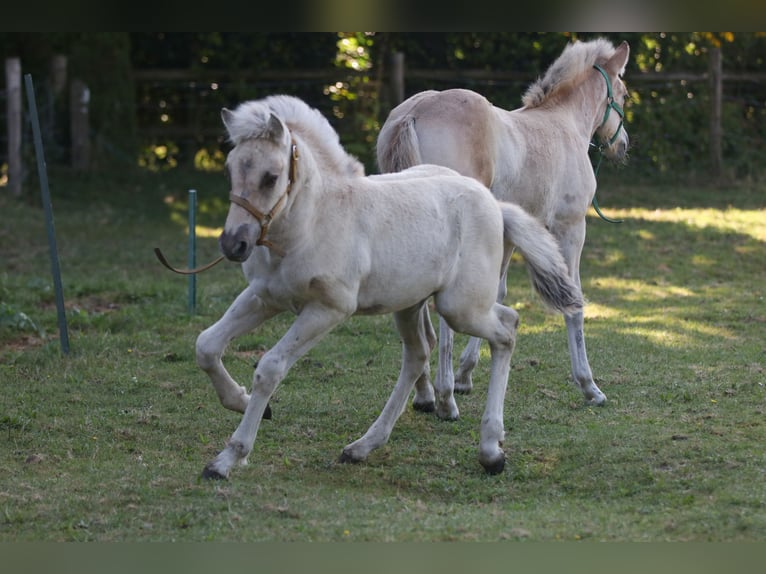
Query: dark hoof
209, 473
267, 412
428, 407
495, 467
346, 458
462, 390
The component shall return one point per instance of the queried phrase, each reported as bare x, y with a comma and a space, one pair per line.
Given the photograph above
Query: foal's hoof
427, 407
209, 473
267, 412
494, 467
346, 458
463, 388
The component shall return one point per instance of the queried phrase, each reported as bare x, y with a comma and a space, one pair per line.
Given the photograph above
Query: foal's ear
275, 128
227, 116
619, 60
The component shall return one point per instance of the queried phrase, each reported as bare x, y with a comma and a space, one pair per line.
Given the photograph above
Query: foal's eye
268, 180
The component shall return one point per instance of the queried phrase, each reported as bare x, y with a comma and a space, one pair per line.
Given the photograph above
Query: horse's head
611, 133
260, 168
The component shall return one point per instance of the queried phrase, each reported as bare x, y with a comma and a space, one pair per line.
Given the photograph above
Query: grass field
106, 444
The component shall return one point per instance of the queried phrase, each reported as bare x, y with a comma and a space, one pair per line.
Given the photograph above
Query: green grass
107, 443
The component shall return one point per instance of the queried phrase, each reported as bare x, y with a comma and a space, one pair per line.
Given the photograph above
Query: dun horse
318, 239
535, 156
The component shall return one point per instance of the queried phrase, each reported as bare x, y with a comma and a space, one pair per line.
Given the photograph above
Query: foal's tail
398, 146
546, 266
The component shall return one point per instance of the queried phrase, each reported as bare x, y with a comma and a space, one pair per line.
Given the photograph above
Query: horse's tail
546, 266
398, 146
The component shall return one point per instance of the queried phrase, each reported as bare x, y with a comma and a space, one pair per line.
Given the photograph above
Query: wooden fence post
79, 100
716, 91
58, 74
13, 108
397, 78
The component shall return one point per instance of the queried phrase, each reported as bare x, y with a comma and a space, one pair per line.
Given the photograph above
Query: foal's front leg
309, 328
424, 399
243, 315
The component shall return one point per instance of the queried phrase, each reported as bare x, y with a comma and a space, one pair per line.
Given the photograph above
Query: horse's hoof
448, 411
346, 458
463, 389
209, 473
494, 467
267, 412
427, 407
598, 401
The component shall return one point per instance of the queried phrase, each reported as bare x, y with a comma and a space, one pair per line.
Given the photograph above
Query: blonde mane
251, 120
577, 58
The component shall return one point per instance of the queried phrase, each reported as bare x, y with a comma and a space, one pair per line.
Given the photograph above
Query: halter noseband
265, 219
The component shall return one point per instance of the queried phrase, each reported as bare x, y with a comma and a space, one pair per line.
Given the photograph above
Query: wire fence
178, 115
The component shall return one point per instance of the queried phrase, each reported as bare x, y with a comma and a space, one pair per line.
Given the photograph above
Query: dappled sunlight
637, 289
667, 329
750, 222
598, 311
209, 210
213, 232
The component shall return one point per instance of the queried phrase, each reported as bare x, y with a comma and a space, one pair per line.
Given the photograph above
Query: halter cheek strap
265, 219
610, 105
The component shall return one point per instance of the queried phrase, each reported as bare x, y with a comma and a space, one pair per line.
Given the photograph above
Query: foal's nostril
239, 249
233, 246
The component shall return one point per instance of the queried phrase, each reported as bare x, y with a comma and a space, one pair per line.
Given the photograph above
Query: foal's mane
577, 58
251, 120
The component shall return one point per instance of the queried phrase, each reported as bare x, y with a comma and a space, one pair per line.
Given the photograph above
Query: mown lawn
106, 444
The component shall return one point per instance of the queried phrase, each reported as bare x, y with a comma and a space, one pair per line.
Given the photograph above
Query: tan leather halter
265, 219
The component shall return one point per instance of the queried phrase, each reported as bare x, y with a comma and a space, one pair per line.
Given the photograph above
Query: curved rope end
164, 261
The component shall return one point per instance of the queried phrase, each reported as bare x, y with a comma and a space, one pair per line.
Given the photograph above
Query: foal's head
611, 133
260, 169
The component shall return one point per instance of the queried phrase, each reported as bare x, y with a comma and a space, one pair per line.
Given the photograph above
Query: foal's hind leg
415, 351
499, 327
469, 358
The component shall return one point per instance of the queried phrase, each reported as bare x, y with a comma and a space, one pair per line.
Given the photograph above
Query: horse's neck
587, 102
306, 196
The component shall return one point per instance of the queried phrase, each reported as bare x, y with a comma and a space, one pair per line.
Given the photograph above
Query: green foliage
170, 121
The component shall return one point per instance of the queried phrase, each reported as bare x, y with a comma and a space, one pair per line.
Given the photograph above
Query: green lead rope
594, 203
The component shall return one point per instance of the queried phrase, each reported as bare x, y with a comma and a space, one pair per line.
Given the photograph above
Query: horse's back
454, 128
458, 210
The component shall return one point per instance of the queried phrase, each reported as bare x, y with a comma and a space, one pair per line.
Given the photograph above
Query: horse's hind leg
415, 351
469, 358
499, 328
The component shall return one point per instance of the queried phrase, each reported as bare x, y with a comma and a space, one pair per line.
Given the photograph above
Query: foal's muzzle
236, 246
